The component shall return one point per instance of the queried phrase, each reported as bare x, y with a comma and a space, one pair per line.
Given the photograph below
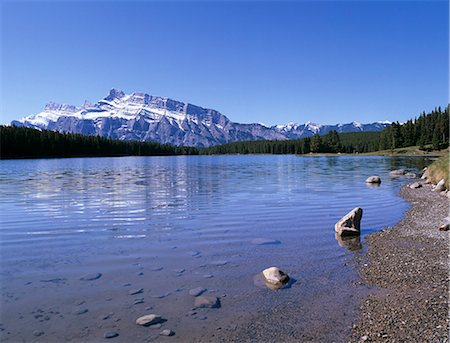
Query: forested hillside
22, 142
429, 131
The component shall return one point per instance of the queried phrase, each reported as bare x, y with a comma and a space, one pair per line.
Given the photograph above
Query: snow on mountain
144, 117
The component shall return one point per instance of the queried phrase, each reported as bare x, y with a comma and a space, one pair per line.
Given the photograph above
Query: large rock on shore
275, 278
440, 186
415, 185
349, 225
373, 179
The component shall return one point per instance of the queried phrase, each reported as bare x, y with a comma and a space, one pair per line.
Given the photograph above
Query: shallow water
169, 224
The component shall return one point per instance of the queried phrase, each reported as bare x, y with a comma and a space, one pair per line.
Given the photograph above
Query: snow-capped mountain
140, 116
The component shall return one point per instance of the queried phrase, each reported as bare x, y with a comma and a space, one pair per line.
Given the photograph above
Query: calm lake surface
170, 224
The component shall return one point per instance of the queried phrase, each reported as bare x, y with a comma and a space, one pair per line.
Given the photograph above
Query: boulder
397, 172
373, 179
206, 301
410, 175
275, 278
148, 319
415, 185
440, 186
349, 225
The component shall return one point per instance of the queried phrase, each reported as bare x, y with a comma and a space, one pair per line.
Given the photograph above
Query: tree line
22, 142
428, 131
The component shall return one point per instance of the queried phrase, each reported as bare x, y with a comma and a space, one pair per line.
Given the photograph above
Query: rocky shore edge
407, 270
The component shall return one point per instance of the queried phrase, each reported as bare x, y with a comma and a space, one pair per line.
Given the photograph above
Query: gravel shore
408, 271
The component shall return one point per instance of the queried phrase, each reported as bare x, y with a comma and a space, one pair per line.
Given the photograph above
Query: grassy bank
407, 151
439, 169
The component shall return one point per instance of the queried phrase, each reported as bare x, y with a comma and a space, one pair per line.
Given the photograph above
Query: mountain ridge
144, 117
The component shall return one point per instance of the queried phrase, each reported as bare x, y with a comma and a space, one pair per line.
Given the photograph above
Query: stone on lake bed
160, 296
110, 334
349, 225
167, 332
264, 241
219, 263
206, 301
148, 319
91, 277
79, 311
275, 278
135, 291
193, 253
415, 185
373, 179
197, 291
410, 175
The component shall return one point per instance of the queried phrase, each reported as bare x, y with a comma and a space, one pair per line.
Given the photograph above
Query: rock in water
91, 277
373, 179
349, 225
440, 186
264, 241
274, 278
415, 185
135, 291
410, 175
110, 334
397, 172
205, 301
148, 319
167, 332
197, 291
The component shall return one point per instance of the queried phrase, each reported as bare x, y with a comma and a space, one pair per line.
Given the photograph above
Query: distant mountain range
144, 117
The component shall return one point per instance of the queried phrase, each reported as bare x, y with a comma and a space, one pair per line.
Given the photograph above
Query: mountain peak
115, 93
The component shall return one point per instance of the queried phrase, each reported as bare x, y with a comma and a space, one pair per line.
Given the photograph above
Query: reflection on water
349, 242
139, 221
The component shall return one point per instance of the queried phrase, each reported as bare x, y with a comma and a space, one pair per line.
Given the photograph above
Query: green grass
408, 151
438, 170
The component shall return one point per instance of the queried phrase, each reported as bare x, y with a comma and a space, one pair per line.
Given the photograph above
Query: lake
161, 226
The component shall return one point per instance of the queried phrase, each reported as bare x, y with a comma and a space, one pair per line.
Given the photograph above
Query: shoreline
406, 268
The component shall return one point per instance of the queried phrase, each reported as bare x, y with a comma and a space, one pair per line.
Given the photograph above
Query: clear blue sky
258, 61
